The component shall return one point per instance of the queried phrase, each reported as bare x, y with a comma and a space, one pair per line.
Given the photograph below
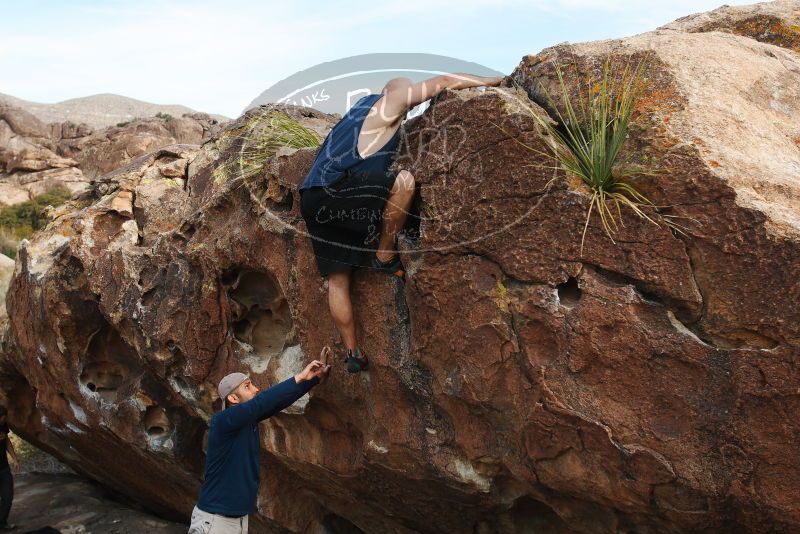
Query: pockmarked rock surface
36, 157
515, 385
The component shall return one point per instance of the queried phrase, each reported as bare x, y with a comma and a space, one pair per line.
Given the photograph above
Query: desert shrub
20, 221
588, 137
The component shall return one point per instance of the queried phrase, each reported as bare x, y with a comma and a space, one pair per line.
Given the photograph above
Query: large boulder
516, 385
776, 22
21, 122
35, 157
6, 272
29, 160
108, 149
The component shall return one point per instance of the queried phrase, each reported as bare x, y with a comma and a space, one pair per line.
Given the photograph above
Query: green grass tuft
261, 138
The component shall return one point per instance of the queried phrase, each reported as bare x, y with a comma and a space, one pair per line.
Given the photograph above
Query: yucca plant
263, 135
587, 141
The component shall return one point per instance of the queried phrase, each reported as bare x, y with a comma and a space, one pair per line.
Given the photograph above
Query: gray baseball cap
229, 383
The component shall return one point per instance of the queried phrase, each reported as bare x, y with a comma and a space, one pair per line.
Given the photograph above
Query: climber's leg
342, 313
394, 214
341, 307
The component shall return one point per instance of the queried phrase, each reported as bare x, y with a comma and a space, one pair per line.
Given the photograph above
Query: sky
216, 56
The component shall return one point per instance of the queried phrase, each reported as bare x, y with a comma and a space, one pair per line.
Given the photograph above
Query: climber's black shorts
344, 219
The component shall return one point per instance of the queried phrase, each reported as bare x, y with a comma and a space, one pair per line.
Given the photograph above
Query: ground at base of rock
72, 505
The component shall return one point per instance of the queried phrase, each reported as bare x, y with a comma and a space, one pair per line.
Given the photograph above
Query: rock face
515, 385
776, 22
35, 157
29, 162
109, 149
6, 272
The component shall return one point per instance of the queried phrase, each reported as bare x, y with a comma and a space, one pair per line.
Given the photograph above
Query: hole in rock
261, 316
104, 378
279, 199
156, 422
652, 297
73, 268
109, 361
187, 230
742, 338
230, 277
569, 293
288, 201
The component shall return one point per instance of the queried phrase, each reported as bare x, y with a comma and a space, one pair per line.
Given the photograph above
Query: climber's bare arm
402, 94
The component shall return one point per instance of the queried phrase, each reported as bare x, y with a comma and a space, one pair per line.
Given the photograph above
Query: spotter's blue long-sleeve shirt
230, 484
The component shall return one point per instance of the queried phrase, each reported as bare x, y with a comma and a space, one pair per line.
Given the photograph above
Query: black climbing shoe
356, 362
392, 266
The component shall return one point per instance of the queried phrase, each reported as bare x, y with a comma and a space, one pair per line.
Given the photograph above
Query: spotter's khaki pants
206, 523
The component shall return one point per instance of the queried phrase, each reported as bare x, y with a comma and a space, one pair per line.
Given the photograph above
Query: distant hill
98, 111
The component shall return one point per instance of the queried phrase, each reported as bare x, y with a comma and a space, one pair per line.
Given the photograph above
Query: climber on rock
230, 483
353, 206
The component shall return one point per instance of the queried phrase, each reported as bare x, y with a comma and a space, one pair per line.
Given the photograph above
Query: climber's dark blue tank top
339, 151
